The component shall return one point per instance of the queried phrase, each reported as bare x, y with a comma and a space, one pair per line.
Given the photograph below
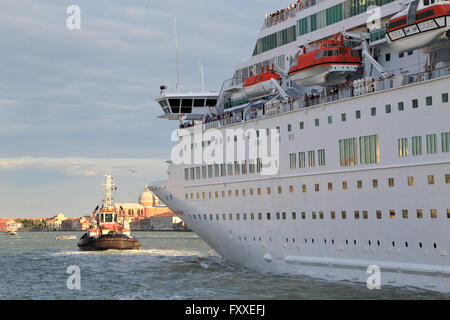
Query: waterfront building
56, 222
148, 206
9, 225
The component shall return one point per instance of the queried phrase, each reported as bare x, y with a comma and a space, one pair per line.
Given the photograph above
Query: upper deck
358, 89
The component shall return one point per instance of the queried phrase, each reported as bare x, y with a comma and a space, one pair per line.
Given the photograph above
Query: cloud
84, 166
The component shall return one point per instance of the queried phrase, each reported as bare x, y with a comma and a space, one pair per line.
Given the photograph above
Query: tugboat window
109, 217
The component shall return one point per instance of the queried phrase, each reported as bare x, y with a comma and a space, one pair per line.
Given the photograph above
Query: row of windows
242, 136
316, 215
321, 19
316, 21
388, 110
430, 179
347, 242
311, 159
275, 40
187, 104
431, 144
222, 170
335, 14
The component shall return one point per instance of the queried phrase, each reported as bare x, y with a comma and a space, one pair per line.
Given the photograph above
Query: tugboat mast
108, 188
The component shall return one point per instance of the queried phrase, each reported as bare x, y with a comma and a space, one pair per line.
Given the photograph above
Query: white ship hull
410, 251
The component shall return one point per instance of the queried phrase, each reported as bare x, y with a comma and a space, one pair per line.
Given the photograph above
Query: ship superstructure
362, 170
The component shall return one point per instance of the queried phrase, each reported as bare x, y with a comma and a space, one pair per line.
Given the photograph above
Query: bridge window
199, 103
211, 102
175, 105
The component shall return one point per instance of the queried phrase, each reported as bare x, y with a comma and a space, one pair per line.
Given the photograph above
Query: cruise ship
346, 103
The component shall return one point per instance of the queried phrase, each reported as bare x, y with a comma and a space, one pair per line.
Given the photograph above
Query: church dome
146, 196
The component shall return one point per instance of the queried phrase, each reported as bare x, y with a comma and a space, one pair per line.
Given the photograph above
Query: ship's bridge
191, 106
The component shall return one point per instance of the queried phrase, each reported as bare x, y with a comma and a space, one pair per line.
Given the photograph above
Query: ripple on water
149, 252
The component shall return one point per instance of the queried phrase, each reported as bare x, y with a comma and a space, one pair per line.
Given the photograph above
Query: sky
75, 104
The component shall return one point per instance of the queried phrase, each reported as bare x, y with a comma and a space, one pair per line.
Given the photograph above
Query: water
169, 266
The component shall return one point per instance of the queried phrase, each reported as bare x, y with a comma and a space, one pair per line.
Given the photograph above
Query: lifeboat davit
261, 84
423, 24
325, 62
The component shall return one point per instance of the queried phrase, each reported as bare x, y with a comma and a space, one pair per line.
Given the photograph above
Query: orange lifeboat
423, 24
260, 84
325, 62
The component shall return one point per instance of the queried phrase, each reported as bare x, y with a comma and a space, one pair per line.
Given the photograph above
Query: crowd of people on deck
187, 124
216, 117
293, 6
208, 119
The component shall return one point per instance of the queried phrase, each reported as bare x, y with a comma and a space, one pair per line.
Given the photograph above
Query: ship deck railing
288, 13
377, 85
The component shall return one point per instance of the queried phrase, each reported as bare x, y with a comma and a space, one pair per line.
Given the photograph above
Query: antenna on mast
201, 73
176, 47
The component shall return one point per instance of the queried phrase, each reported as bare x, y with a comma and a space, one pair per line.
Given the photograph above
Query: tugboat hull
108, 242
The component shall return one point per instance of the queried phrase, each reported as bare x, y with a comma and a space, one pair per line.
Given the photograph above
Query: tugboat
110, 228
